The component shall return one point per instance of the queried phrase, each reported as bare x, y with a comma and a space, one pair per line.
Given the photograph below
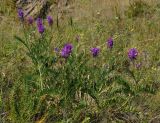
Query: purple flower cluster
40, 26
41, 29
39, 21
20, 14
132, 53
95, 51
50, 20
110, 43
67, 50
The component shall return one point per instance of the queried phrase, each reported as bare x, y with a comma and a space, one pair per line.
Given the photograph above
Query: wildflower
67, 50
110, 43
30, 20
41, 28
132, 53
50, 20
39, 21
95, 51
20, 14
40, 25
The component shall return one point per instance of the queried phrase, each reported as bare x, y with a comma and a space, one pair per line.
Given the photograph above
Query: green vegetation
39, 85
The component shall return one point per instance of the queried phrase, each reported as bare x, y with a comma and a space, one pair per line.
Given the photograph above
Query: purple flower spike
95, 51
40, 25
39, 22
50, 20
30, 20
67, 50
41, 29
20, 14
110, 43
132, 53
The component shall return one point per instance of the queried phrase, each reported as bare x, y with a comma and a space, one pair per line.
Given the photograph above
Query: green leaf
20, 40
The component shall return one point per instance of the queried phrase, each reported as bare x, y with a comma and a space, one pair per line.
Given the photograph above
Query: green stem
40, 77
